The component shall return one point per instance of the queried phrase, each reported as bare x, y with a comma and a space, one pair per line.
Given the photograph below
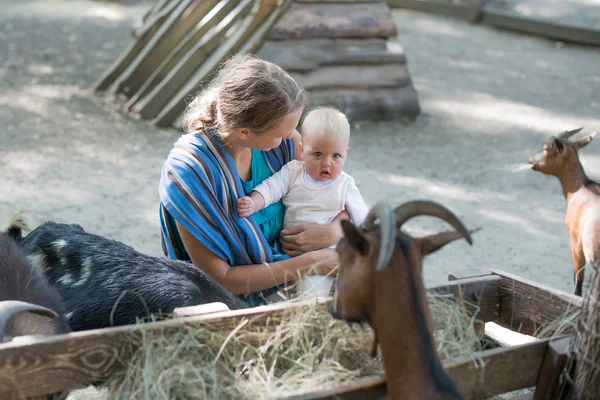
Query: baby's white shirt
307, 200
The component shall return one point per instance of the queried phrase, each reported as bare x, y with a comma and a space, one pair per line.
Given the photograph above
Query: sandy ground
489, 99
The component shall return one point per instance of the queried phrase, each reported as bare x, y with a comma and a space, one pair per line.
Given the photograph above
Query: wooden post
555, 361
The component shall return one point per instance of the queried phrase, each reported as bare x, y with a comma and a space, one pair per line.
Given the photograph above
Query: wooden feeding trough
69, 361
343, 52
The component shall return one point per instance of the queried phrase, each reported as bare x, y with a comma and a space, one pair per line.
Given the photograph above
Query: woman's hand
302, 238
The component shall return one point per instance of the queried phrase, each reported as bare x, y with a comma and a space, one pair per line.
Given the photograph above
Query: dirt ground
489, 100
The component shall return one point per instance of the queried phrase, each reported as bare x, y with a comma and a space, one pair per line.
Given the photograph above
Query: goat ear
355, 237
432, 243
581, 143
559, 145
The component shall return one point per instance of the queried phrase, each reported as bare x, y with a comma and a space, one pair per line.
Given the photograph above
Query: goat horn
411, 209
9, 308
387, 226
568, 134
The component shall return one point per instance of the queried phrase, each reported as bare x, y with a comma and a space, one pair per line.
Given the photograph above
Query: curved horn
9, 308
415, 208
568, 134
387, 226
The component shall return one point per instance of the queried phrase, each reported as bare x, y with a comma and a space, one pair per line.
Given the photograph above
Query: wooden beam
195, 60
75, 360
201, 309
555, 361
354, 77
480, 376
242, 41
305, 55
506, 337
468, 273
481, 295
143, 37
70, 361
180, 22
172, 59
371, 104
327, 20
526, 305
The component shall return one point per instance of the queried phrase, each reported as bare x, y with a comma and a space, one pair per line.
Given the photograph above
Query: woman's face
272, 137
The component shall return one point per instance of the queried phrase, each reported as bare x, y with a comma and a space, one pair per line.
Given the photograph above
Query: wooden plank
131, 52
468, 273
75, 360
526, 305
370, 104
180, 22
354, 77
308, 54
506, 337
555, 361
371, 387
178, 52
485, 374
201, 309
326, 20
196, 59
469, 11
242, 41
481, 295
66, 362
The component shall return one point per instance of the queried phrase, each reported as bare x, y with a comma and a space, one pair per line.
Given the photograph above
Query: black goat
28, 304
105, 283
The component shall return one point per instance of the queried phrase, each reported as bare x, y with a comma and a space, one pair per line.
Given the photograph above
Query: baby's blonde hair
326, 121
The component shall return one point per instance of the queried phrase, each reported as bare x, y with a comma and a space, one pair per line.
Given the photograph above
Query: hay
304, 350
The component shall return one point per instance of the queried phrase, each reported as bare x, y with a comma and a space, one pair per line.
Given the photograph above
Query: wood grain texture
327, 20
486, 374
247, 38
354, 77
75, 360
370, 104
556, 359
308, 54
526, 305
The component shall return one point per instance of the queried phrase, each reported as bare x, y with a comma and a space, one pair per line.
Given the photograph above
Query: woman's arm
253, 278
303, 238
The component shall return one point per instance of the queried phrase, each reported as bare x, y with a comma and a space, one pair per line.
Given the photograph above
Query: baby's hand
245, 206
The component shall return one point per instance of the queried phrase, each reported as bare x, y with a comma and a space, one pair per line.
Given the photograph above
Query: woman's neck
242, 156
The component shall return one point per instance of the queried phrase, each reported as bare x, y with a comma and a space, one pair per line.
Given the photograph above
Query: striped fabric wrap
199, 188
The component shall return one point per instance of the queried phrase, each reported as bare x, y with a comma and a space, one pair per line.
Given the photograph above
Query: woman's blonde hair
247, 93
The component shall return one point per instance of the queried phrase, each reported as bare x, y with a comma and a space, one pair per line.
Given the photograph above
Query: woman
241, 130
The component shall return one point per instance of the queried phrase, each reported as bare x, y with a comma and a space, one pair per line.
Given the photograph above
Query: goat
380, 282
559, 157
105, 283
28, 304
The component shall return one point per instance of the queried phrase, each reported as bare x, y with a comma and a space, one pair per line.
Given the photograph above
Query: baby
316, 189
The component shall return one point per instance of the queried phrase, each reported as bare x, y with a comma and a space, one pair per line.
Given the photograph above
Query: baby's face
323, 156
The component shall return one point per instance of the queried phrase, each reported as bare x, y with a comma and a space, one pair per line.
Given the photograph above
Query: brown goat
380, 282
560, 158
